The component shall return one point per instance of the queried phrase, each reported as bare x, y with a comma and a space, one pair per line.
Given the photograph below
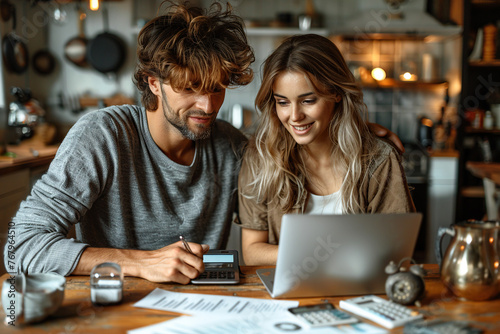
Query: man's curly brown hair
204, 50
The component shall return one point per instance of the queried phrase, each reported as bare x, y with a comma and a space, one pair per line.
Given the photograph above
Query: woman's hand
256, 249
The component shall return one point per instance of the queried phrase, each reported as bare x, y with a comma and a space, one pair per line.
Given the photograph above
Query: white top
324, 205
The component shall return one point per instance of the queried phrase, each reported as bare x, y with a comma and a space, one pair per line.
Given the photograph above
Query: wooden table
489, 172
77, 315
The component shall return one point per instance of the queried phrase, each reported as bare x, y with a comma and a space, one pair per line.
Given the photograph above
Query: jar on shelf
489, 45
489, 121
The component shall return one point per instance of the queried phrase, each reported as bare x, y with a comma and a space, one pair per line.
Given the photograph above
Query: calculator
381, 311
324, 314
221, 267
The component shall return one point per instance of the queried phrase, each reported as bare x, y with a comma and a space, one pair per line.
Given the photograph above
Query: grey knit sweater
122, 191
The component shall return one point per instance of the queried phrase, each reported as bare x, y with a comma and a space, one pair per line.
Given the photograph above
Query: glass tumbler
106, 284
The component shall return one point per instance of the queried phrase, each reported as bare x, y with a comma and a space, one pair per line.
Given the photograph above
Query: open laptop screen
328, 255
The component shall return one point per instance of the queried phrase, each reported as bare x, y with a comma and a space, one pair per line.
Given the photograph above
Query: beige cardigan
385, 192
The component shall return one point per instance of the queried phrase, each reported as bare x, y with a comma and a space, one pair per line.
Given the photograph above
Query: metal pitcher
470, 267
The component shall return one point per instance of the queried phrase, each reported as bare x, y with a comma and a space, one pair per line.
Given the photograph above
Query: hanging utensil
75, 49
14, 50
6, 9
106, 52
43, 60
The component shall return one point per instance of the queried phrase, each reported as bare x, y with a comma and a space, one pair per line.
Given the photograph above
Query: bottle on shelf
489, 121
440, 131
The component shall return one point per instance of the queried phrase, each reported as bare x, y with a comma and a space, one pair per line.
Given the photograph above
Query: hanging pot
6, 9
43, 60
106, 52
14, 50
75, 50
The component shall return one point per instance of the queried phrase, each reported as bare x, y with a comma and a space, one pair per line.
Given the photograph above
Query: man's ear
337, 98
154, 85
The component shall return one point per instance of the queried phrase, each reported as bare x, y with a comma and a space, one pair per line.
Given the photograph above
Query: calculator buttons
217, 275
317, 315
381, 311
221, 267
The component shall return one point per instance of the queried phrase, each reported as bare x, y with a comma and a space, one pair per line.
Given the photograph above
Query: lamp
408, 71
378, 74
94, 5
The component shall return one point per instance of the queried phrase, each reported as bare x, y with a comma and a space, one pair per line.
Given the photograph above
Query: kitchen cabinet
16, 180
14, 188
441, 200
480, 82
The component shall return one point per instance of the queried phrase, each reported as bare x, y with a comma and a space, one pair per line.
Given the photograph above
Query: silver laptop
339, 255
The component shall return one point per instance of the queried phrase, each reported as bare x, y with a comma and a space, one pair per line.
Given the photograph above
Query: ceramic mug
31, 298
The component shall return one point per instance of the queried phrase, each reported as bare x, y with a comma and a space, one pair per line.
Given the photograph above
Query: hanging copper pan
75, 49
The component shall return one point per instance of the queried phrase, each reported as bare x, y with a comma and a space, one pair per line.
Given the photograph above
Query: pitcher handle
439, 240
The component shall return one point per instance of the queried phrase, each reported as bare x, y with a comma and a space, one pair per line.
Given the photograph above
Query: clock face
404, 288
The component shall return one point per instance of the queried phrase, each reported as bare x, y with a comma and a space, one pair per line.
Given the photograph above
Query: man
134, 179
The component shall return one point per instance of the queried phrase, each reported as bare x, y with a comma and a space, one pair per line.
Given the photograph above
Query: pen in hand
186, 245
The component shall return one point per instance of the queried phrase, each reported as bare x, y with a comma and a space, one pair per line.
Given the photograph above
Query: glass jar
106, 284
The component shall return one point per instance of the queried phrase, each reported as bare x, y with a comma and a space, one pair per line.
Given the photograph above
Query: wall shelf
485, 2
270, 31
392, 83
482, 63
471, 130
472, 192
471, 142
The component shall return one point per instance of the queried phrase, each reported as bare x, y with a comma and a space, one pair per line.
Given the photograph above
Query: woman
312, 152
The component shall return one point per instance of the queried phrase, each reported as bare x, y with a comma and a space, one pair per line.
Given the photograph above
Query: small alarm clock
402, 286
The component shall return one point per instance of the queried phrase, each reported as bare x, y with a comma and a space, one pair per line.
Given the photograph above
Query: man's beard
182, 125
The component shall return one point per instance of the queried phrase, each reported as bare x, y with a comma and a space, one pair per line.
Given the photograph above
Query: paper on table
277, 323
191, 303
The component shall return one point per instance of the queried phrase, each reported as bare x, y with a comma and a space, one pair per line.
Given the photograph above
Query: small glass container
106, 284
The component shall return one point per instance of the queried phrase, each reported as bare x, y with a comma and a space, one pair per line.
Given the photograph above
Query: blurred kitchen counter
23, 156
444, 154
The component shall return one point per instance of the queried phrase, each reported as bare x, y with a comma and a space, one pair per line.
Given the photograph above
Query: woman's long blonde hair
276, 161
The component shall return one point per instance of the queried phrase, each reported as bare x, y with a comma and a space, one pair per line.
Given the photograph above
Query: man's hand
173, 263
380, 131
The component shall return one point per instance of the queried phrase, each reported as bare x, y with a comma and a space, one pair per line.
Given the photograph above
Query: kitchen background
396, 35
394, 107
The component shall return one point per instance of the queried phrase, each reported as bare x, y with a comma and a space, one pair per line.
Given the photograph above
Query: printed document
278, 323
191, 303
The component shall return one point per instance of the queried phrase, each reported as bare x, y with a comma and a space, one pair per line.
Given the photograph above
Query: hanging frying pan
14, 50
43, 61
6, 9
75, 49
106, 52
